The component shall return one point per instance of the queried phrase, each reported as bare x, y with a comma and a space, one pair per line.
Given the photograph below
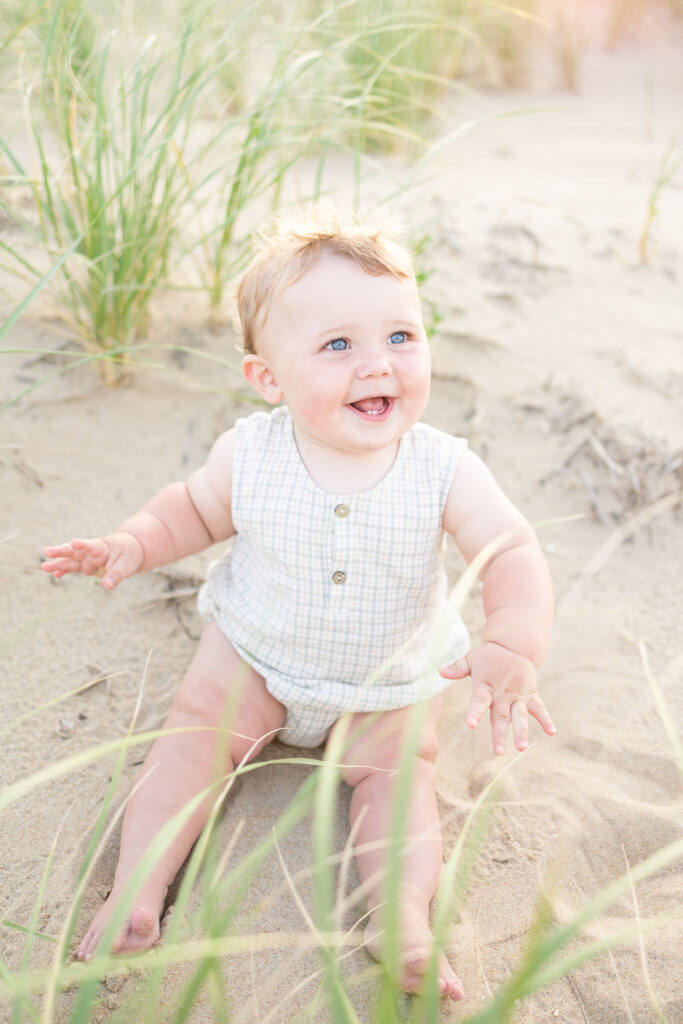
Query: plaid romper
338, 600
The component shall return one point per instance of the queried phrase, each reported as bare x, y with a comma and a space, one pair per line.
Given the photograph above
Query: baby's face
348, 352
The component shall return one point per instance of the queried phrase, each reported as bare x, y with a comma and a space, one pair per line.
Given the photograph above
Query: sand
559, 355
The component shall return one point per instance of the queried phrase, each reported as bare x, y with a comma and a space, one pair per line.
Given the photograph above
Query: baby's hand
505, 682
113, 558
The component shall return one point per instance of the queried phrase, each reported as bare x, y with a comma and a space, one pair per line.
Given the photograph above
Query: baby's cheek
420, 382
416, 385
317, 409
422, 370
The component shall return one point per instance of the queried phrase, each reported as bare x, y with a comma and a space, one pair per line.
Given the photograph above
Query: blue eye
338, 345
398, 337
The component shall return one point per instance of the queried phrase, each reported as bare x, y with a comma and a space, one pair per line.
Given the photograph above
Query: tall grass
152, 158
505, 42
216, 927
351, 79
108, 206
399, 60
666, 173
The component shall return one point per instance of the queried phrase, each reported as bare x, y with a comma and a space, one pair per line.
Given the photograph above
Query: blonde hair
288, 248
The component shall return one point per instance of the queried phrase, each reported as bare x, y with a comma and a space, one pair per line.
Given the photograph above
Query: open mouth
376, 408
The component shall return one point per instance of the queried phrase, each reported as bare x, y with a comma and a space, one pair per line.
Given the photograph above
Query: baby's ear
260, 376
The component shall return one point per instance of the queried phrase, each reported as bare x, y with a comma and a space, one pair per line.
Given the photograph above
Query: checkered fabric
337, 600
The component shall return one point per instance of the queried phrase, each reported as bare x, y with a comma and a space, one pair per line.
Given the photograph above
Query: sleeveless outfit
338, 600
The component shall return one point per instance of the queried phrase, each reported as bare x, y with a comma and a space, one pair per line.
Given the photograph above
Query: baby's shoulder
429, 444
264, 450
429, 460
263, 428
426, 434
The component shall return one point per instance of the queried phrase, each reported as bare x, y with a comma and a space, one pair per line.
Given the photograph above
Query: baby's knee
385, 743
373, 783
387, 764
423, 774
428, 747
201, 700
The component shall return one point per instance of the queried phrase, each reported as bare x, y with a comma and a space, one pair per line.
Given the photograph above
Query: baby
328, 611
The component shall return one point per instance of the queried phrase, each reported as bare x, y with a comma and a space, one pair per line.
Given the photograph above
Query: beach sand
559, 355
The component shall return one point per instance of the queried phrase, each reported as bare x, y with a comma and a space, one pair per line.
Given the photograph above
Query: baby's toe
449, 983
415, 968
89, 943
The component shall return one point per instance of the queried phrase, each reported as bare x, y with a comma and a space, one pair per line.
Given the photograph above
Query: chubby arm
518, 604
182, 519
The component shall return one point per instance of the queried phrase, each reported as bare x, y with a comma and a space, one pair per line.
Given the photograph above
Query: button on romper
338, 600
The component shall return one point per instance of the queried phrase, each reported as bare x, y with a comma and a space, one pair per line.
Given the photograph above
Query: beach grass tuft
107, 203
153, 156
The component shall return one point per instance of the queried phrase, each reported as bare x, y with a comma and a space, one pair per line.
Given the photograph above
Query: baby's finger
480, 702
76, 556
520, 724
54, 570
60, 567
50, 566
58, 551
97, 549
538, 709
500, 723
458, 669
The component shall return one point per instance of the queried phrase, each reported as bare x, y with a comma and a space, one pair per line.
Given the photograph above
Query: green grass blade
21, 999
537, 971
662, 709
26, 931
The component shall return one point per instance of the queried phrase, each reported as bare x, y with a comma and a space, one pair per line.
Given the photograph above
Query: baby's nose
374, 364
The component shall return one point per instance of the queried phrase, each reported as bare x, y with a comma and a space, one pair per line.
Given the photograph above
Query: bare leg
177, 768
379, 751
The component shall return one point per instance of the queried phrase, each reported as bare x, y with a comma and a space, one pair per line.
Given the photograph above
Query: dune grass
205, 930
667, 170
153, 158
398, 61
120, 177
107, 208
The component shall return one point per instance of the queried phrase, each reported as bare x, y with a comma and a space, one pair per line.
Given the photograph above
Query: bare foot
415, 948
140, 930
